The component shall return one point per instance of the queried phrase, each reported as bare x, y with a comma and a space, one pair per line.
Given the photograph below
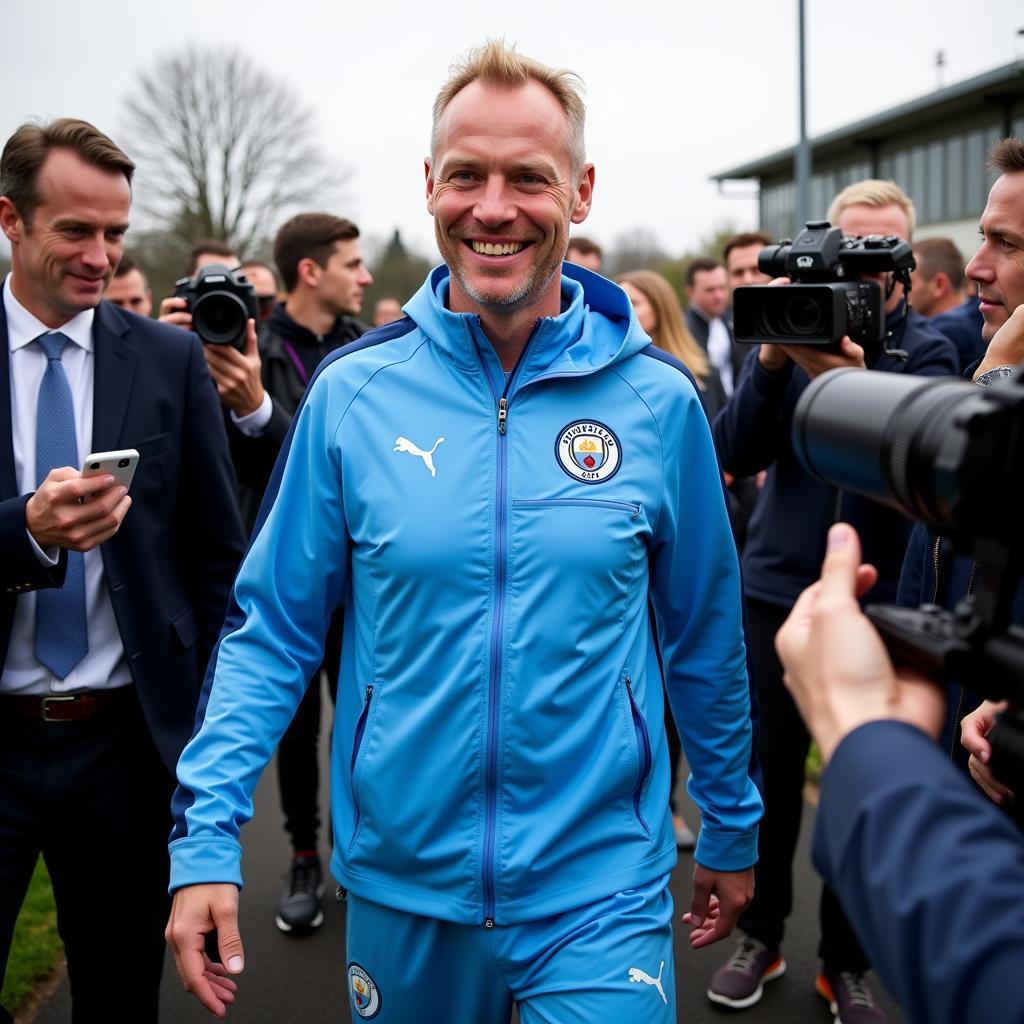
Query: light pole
803, 149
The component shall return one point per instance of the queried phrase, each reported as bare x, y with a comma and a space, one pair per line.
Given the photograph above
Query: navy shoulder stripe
662, 356
389, 332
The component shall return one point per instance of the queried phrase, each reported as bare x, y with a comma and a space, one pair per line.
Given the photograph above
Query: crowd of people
536, 531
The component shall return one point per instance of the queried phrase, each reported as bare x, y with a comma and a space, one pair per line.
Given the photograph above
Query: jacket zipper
644, 748
497, 628
357, 744
622, 506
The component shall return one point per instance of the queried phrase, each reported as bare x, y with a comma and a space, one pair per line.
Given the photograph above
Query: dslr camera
220, 301
949, 454
826, 299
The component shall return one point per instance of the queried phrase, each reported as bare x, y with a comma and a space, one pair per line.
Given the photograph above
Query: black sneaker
739, 982
298, 906
849, 997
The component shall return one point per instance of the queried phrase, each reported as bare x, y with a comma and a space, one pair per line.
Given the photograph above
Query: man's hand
197, 910
718, 898
815, 361
837, 668
237, 374
57, 515
1007, 345
175, 311
773, 357
974, 732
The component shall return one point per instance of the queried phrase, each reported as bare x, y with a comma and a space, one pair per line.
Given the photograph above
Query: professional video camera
950, 454
220, 301
826, 299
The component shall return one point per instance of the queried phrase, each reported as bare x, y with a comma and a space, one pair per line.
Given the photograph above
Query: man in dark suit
710, 321
108, 615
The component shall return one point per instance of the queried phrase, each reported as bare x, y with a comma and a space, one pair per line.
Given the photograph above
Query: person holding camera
785, 541
931, 572
930, 873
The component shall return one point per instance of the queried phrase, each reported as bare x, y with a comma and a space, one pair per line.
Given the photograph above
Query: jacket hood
570, 343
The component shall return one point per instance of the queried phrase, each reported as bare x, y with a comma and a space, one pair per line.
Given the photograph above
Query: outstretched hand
836, 666
718, 899
196, 911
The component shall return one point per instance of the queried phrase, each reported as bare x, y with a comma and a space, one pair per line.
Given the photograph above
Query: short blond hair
877, 193
497, 63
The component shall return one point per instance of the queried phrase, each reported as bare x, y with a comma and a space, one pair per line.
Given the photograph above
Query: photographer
930, 873
931, 572
785, 543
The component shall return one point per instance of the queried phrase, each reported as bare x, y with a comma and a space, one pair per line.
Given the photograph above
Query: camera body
826, 299
220, 301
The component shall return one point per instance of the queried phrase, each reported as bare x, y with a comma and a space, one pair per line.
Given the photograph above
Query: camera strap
296, 361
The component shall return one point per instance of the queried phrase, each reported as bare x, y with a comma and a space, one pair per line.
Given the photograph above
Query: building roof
1000, 85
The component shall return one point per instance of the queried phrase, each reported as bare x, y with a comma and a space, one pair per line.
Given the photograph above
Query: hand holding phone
78, 511
120, 465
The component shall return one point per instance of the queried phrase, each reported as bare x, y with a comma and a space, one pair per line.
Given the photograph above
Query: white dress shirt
720, 351
105, 665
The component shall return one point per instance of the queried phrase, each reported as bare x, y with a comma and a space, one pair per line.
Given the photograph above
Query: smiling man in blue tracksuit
518, 502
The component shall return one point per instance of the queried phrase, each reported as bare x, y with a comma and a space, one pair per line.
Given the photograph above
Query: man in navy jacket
785, 542
931, 874
108, 614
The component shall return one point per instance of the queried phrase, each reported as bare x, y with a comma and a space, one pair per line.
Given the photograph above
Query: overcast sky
676, 90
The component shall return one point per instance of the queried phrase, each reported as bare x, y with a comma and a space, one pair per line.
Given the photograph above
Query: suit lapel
112, 383
8, 483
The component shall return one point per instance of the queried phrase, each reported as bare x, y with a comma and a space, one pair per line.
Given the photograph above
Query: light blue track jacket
522, 560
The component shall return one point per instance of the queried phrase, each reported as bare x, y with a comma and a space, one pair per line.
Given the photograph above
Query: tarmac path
300, 980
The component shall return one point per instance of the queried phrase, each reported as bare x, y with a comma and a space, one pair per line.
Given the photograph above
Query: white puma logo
403, 444
635, 974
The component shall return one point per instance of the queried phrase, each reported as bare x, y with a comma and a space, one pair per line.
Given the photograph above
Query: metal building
935, 147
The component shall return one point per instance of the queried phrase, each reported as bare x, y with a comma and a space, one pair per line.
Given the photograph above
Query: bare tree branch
223, 149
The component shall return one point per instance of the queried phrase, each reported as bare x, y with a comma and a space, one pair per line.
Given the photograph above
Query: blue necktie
61, 637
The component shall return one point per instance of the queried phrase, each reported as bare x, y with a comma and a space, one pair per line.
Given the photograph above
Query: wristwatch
996, 373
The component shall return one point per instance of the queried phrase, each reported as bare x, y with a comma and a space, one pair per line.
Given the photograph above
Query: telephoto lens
945, 452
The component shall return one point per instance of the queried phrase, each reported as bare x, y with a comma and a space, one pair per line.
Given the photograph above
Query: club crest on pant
588, 451
365, 994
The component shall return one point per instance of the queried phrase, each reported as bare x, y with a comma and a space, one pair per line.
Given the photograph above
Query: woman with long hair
657, 309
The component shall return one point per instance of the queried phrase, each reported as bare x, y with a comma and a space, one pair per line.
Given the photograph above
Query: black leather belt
65, 707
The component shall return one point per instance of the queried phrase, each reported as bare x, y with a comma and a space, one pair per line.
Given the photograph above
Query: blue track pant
607, 961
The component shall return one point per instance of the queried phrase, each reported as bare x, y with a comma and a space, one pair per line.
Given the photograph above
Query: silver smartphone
121, 465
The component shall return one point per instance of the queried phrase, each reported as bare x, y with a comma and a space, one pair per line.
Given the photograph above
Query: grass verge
36, 945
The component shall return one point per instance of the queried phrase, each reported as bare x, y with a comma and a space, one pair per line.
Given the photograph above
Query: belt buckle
56, 699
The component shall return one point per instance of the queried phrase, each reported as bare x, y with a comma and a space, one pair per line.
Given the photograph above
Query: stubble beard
519, 297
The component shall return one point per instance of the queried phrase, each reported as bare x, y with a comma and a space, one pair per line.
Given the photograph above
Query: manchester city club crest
364, 991
588, 451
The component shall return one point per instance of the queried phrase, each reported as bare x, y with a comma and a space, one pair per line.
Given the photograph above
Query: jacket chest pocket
579, 556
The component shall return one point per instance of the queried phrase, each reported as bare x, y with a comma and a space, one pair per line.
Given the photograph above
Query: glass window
935, 209
901, 169
917, 187
974, 173
954, 177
